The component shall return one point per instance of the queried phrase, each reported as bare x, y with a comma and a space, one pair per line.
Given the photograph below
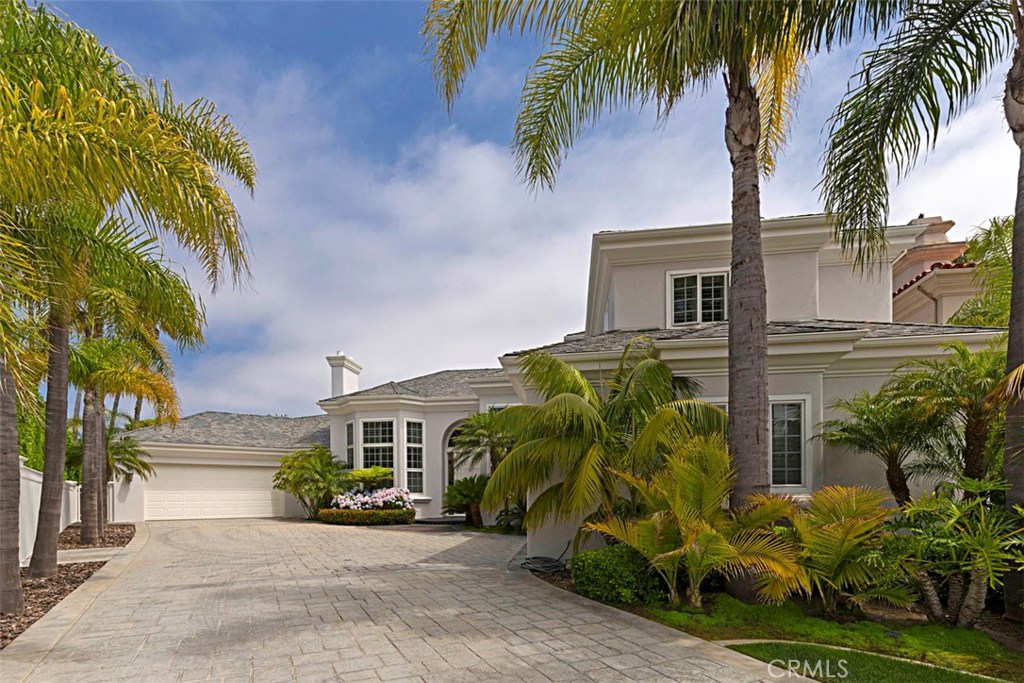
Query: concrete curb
716, 654
21, 657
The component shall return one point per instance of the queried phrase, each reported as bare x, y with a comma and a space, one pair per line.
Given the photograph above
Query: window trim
363, 444
350, 444
671, 275
422, 445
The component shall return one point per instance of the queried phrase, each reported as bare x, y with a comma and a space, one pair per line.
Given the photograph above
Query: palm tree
926, 73
631, 421
690, 528
11, 597
990, 248
479, 438
890, 429
600, 56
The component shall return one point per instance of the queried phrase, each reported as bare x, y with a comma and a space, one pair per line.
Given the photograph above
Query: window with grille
787, 441
350, 445
414, 456
698, 297
379, 443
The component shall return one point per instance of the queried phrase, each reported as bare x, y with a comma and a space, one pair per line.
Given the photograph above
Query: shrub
615, 574
313, 476
382, 499
367, 517
463, 497
372, 477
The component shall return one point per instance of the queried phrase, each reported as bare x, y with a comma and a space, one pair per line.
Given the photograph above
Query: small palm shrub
312, 476
510, 520
463, 497
372, 478
616, 574
842, 536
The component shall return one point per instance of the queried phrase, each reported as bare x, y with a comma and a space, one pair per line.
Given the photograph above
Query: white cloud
443, 259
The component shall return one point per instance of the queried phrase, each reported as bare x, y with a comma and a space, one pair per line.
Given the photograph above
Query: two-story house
831, 333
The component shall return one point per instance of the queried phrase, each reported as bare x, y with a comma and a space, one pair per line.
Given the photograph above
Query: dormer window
697, 297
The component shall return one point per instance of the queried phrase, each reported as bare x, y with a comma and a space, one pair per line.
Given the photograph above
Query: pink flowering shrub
381, 499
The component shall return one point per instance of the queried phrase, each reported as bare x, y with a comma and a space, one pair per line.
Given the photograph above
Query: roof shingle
443, 384
234, 429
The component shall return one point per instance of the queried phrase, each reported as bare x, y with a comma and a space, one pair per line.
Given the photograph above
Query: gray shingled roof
616, 340
443, 384
233, 429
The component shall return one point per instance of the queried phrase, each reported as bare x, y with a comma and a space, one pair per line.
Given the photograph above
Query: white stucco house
833, 331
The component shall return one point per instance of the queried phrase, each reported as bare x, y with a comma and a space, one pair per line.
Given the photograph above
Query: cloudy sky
386, 228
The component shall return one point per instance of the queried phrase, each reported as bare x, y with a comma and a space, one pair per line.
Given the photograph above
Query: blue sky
387, 228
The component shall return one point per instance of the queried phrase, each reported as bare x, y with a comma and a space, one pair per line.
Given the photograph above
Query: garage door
212, 491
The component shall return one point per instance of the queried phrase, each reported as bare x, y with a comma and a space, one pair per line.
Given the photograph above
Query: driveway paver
289, 601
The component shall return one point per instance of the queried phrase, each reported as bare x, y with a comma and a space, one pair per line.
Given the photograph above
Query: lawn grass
827, 664
954, 648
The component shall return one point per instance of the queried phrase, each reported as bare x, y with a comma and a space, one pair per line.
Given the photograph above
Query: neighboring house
930, 280
832, 333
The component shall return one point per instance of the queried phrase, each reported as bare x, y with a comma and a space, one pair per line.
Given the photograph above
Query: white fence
31, 491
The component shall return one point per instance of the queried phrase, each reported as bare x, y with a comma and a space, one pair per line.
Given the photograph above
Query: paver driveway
272, 600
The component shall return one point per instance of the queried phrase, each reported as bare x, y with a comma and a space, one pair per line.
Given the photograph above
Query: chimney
344, 374
935, 230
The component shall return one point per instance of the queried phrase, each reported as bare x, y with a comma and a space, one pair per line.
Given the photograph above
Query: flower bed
367, 517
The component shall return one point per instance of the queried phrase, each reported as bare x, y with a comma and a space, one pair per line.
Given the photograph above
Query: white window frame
350, 444
422, 445
805, 428
393, 444
670, 303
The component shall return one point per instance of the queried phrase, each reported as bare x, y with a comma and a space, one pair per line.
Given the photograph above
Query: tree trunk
974, 599
104, 468
897, 480
76, 414
929, 596
956, 594
975, 439
1013, 457
748, 334
113, 416
44, 552
137, 415
91, 472
11, 595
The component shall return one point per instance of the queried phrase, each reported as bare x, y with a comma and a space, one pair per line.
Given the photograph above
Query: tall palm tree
926, 73
481, 437
886, 427
604, 55
630, 421
11, 597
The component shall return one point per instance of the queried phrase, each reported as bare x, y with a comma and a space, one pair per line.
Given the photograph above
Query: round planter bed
367, 517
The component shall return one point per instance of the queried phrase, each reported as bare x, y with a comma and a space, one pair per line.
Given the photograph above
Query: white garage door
212, 491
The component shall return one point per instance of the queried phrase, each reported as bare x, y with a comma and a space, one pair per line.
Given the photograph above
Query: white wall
28, 517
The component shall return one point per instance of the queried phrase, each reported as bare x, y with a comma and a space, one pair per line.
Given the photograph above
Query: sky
384, 227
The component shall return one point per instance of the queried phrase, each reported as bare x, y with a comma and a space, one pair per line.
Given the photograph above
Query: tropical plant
125, 458
312, 476
690, 530
966, 544
922, 76
990, 249
463, 496
841, 535
601, 56
478, 438
510, 519
372, 478
886, 427
580, 433
615, 574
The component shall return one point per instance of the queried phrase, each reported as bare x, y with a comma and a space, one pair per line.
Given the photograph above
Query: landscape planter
366, 517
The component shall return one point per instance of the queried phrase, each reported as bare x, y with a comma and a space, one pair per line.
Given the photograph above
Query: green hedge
367, 517
616, 574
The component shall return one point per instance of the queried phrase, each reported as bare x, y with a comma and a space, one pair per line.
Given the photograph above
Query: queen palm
582, 431
481, 437
991, 249
600, 56
925, 74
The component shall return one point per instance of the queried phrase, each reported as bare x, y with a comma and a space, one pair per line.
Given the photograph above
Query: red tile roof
935, 266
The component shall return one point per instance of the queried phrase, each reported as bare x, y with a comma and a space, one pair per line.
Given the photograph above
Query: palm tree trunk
104, 468
974, 600
1013, 456
91, 472
897, 480
137, 415
76, 414
956, 593
11, 596
748, 334
113, 415
929, 596
44, 552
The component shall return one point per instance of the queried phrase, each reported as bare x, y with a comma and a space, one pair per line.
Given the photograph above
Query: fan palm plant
610, 54
888, 428
580, 434
841, 535
690, 529
926, 73
480, 437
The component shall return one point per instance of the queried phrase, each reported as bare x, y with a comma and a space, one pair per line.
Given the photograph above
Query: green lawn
946, 646
829, 664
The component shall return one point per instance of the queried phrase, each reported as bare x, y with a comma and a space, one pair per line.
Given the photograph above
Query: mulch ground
116, 536
42, 594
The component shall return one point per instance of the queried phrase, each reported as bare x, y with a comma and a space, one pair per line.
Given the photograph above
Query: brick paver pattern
277, 601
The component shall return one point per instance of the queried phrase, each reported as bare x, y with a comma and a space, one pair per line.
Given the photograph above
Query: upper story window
698, 297
379, 443
350, 445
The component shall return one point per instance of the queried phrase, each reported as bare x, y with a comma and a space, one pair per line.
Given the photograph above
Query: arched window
450, 457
